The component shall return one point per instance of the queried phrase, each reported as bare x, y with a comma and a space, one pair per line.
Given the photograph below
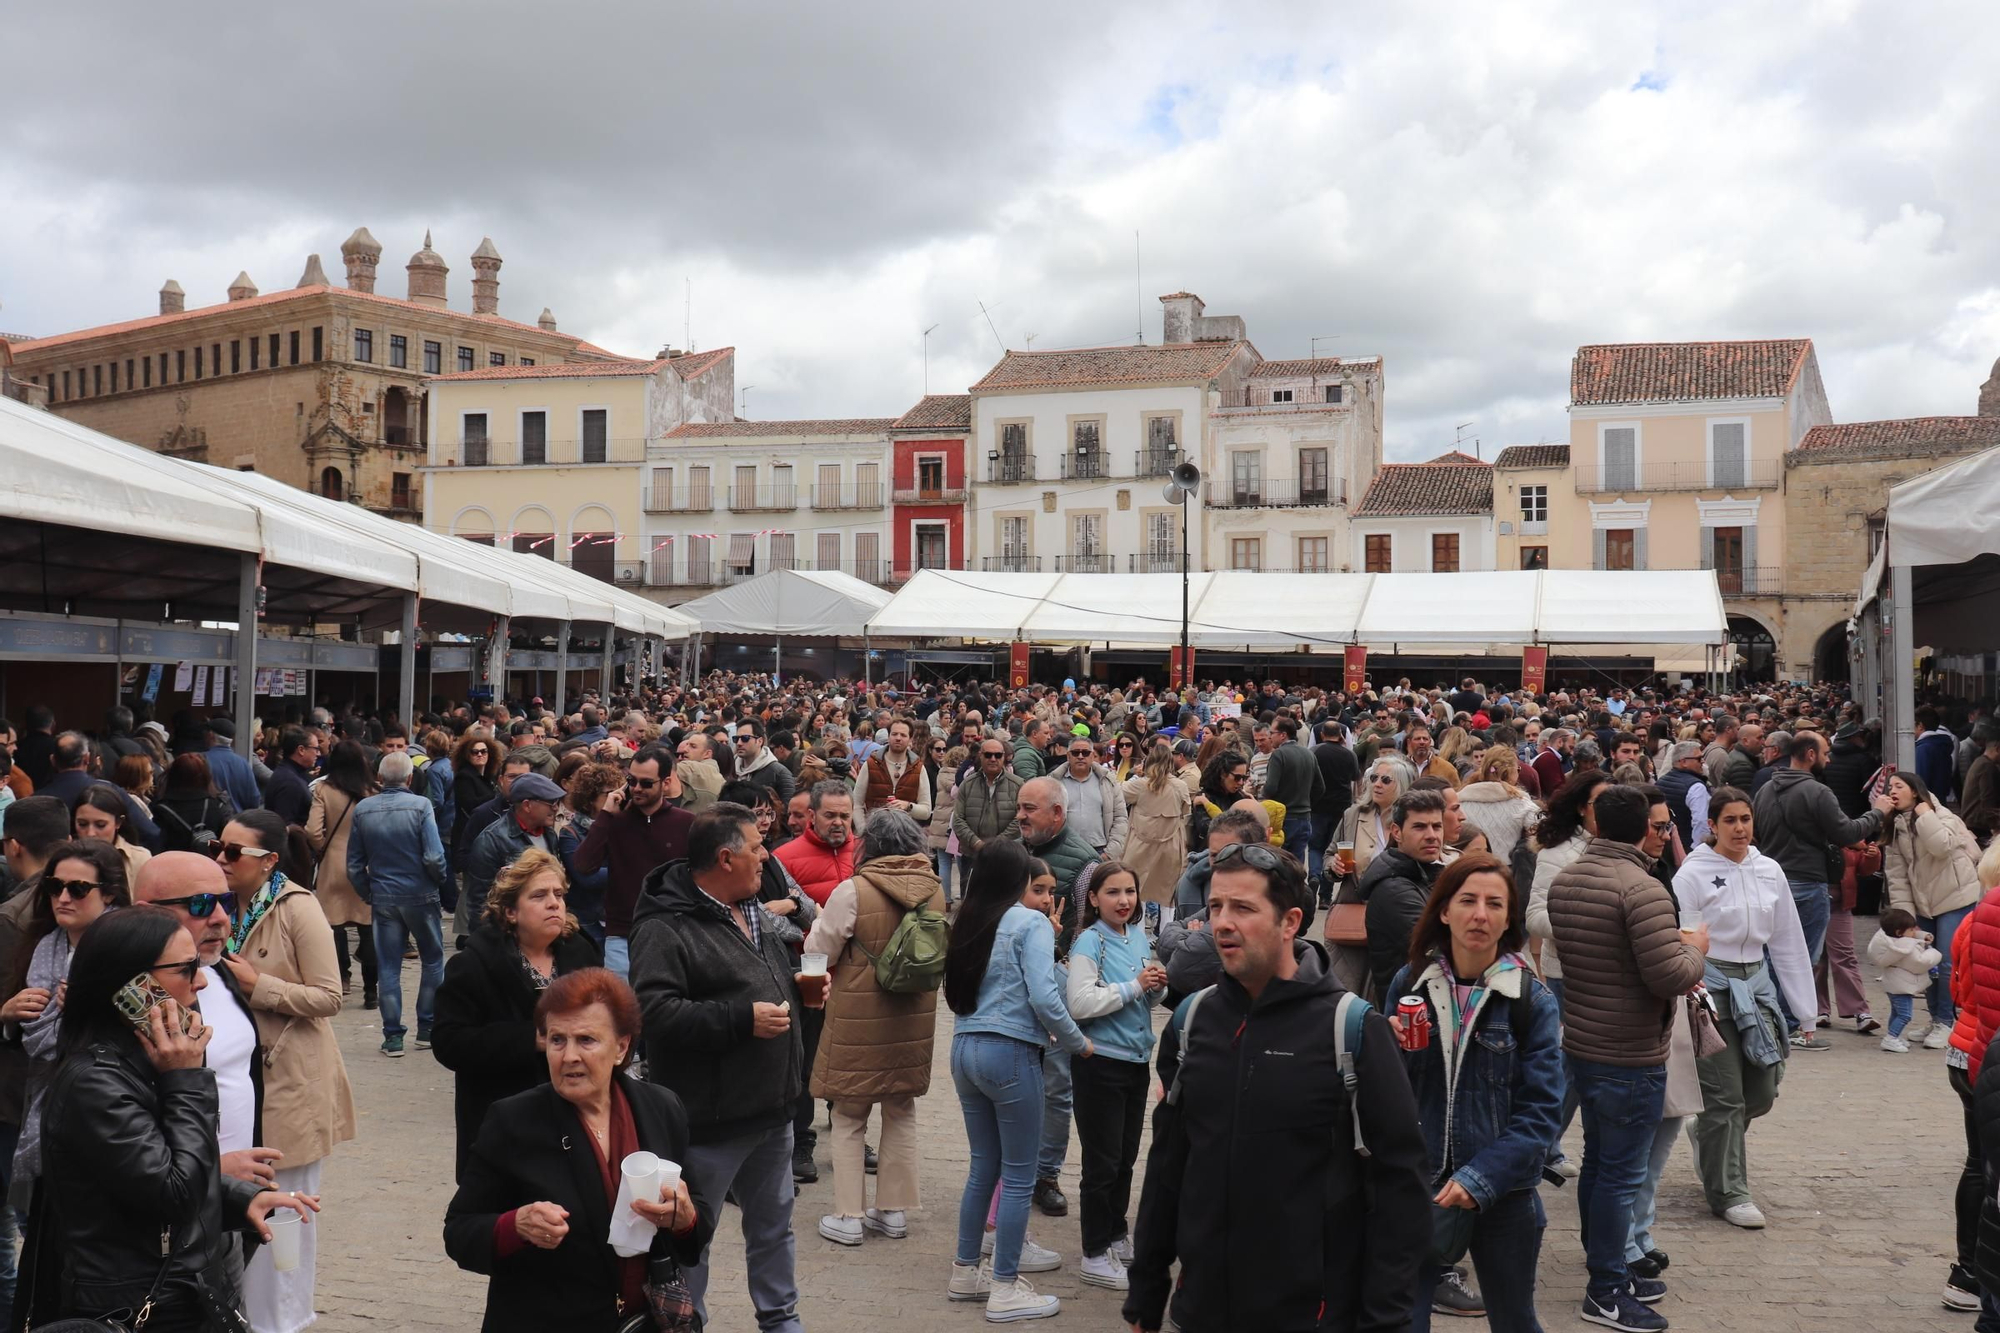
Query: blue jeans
1321, 834
1938, 998
1643, 1213
1298, 834
618, 957
10, 1225
1815, 910
1556, 1154
1055, 1114
945, 860
1621, 1110
756, 1171
999, 1082
1506, 1245
395, 924
1901, 1008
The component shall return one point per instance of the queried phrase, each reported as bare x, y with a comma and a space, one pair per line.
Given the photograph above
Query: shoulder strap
1184, 1025
1348, 1019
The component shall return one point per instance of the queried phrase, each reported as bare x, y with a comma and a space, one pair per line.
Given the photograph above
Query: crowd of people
1360, 960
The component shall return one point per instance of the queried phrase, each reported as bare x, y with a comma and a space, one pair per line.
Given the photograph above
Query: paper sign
153, 674
183, 677
200, 685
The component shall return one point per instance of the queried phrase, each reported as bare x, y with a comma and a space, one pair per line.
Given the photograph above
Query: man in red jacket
823, 856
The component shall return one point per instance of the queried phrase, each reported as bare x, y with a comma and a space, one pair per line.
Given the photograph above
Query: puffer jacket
818, 868
1504, 814
1986, 1116
1798, 819
1550, 862
1975, 980
875, 1045
1928, 864
980, 813
1395, 888
1624, 962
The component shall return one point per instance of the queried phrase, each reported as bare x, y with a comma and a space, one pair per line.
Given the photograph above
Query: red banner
1534, 670
1177, 678
1354, 678
1017, 665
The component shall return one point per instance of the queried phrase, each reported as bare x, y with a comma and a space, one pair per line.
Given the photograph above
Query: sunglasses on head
201, 905
78, 889
1256, 855
234, 852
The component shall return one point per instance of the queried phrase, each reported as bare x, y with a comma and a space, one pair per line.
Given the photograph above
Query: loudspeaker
1187, 476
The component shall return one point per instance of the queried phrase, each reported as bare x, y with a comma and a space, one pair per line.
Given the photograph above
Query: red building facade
927, 511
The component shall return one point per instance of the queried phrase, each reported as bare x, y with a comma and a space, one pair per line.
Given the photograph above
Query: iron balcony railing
474, 451
1702, 476
1276, 493
1010, 469
1155, 462
1011, 564
773, 498
1086, 465
850, 495
680, 499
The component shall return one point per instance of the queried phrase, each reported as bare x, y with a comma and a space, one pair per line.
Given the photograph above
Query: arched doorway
1830, 660
396, 417
1755, 649
330, 484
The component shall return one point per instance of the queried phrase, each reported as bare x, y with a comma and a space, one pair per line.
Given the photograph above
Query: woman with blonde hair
1459, 748
1494, 803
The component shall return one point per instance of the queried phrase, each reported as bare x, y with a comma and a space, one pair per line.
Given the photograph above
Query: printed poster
200, 685
183, 677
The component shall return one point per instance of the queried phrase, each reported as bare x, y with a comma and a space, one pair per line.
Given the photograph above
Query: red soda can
1416, 1018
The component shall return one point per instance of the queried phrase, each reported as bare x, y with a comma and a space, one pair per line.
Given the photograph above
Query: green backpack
912, 962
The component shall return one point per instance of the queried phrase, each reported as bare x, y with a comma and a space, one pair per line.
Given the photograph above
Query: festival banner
1179, 674
1017, 665
1534, 670
1354, 675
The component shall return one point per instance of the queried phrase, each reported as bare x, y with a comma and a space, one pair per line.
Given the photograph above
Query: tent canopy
1949, 516
1266, 611
789, 602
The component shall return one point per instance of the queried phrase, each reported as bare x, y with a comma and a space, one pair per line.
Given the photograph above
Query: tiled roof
1452, 483
695, 364
278, 298
710, 430
1110, 365
1685, 372
1319, 365
1906, 433
1533, 455
560, 370
938, 411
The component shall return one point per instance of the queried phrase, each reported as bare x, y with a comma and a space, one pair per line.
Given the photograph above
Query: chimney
172, 299
362, 252
427, 276
486, 278
547, 321
1180, 316
314, 276
242, 289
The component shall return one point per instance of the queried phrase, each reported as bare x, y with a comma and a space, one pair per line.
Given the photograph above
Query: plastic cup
1690, 919
812, 964
670, 1174
284, 1224
642, 1172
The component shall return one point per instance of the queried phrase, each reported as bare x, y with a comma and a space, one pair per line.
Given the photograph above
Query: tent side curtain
1279, 611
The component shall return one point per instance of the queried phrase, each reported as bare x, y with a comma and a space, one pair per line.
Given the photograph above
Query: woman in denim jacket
1489, 1082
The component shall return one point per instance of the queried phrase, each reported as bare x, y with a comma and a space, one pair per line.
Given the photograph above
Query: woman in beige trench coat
1157, 804
332, 819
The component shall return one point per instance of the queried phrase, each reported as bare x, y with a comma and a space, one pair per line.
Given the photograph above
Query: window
473, 434
464, 358
295, 347
826, 552
215, 358
868, 485
364, 345
1312, 476
1086, 441
399, 351
146, 368
114, 377
1333, 393
699, 549
1086, 543
433, 358
827, 494
594, 442
1534, 557
1728, 559
784, 550
744, 493
1444, 553
1160, 435
319, 343
1246, 552
698, 493
541, 544
96, 380
741, 559
1621, 458
595, 554
180, 369
274, 351
1246, 478
399, 491
1281, 395
131, 380
1618, 548
1015, 462
1014, 438
1312, 555
930, 475
1534, 504
1162, 555
868, 557
1376, 548
197, 362
534, 437
236, 355
527, 361
65, 392
661, 497
783, 496
933, 548
496, 358
1729, 453
1014, 543
329, 483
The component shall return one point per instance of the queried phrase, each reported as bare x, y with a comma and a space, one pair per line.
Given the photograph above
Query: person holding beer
1483, 1048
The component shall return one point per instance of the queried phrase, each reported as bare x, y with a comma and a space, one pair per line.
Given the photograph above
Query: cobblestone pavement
1855, 1169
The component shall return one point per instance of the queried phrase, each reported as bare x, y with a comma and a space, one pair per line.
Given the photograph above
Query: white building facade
1434, 517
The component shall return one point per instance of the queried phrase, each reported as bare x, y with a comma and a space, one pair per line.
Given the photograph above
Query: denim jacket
1502, 1107
393, 851
1021, 995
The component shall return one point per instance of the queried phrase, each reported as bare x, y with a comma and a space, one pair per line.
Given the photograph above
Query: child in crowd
1113, 983
1906, 958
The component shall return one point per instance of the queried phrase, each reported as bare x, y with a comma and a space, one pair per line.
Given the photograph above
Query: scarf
255, 911
536, 981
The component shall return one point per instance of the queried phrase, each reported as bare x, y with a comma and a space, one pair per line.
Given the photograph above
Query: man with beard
639, 829
821, 857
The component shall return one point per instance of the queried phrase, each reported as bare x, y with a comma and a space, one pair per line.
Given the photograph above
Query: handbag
119, 1321
1451, 1233
669, 1302
1702, 1026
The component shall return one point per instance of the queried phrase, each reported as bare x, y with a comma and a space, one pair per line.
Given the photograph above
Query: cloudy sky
1468, 190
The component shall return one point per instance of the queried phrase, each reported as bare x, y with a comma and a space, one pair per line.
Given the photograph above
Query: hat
537, 701
1480, 721
534, 787
155, 728
220, 725
1080, 729
1848, 731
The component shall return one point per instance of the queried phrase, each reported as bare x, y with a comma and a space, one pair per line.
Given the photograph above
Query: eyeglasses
79, 889
187, 969
992, 754
477, 752
745, 739
1256, 855
642, 784
1661, 826
201, 905
234, 852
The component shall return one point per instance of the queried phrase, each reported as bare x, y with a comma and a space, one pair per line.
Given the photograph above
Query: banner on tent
1017, 665
1354, 668
1179, 674
1534, 670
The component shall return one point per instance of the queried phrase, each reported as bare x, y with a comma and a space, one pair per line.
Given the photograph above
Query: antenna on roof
1138, 290
1458, 438
687, 317
1313, 351
743, 398
927, 358
989, 325
1031, 342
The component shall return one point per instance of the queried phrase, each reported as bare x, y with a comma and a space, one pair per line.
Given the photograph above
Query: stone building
320, 386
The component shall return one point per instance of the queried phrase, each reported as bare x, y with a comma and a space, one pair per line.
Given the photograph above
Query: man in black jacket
1338, 772
1398, 882
716, 986
1254, 1164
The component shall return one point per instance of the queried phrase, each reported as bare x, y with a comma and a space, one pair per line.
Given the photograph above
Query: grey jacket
393, 851
979, 813
1798, 818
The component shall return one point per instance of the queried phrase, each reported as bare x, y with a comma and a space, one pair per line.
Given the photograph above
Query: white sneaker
1034, 1259
1917, 1028
1896, 1044
969, 1282
1746, 1215
1568, 1169
1103, 1271
841, 1230
1008, 1301
1938, 1037
1121, 1250
890, 1223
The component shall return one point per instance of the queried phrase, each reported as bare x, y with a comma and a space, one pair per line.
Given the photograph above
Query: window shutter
1752, 576
1621, 448
1707, 548
1597, 548
1730, 453
1639, 549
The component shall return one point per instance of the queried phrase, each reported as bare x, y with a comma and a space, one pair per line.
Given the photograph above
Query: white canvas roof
789, 602
1265, 611
1949, 516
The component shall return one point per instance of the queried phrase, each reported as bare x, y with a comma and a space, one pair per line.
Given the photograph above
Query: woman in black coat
534, 1207
484, 1031
475, 767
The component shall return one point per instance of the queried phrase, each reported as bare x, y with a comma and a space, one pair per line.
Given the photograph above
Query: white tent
1239, 609
789, 602
1948, 516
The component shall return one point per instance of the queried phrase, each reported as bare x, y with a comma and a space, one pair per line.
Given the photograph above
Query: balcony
854, 495
1010, 469
922, 495
1154, 563
1098, 563
1756, 476
1277, 493
1011, 564
1155, 462
475, 452
1751, 581
685, 500
763, 499
1086, 465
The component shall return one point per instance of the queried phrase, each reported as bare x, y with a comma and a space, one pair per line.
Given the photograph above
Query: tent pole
562, 667
1900, 707
496, 660
777, 660
246, 652
867, 679
406, 662
606, 668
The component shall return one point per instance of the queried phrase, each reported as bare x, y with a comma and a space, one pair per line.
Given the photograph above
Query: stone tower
172, 299
427, 275
547, 321
314, 276
1989, 392
362, 252
486, 278
242, 289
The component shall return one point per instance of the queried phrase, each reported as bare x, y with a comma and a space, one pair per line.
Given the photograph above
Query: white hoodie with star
1746, 906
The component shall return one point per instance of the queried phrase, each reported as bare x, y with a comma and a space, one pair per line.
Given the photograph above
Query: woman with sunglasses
1365, 826
281, 955
346, 784
84, 881
1125, 748
102, 816
475, 767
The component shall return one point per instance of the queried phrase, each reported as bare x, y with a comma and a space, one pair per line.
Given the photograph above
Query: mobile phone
137, 999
